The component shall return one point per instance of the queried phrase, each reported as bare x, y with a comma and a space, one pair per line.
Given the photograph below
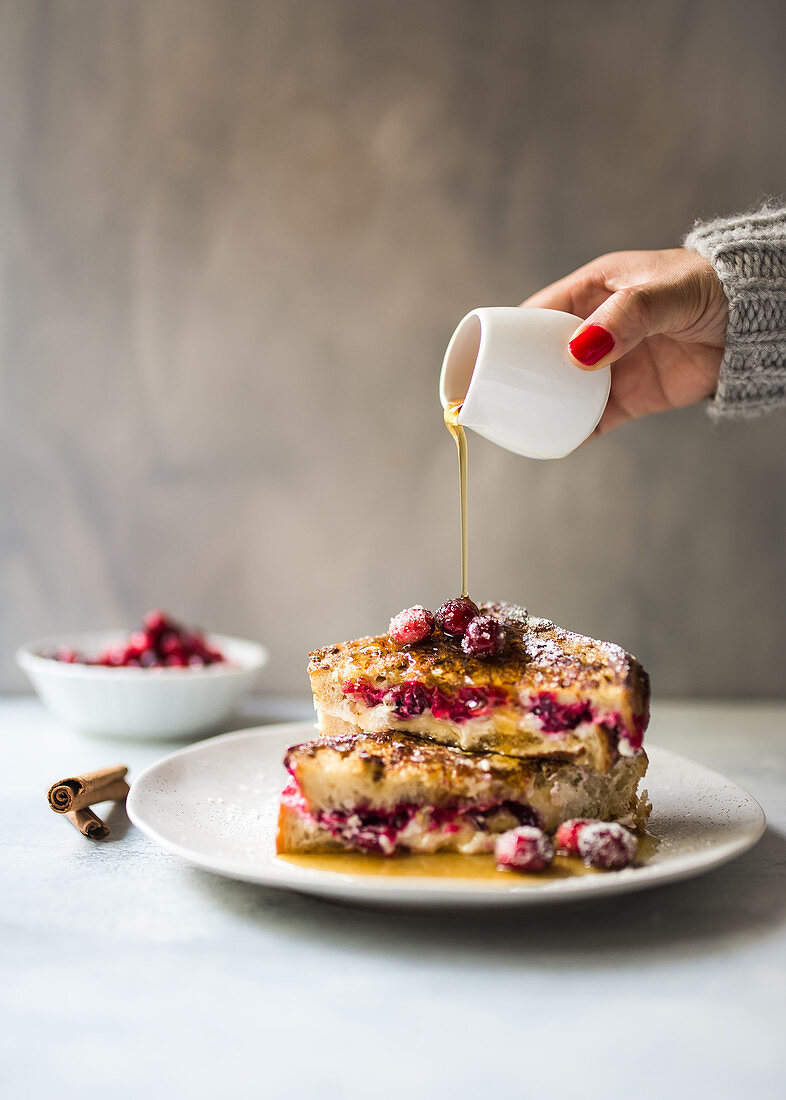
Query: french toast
550, 694
390, 792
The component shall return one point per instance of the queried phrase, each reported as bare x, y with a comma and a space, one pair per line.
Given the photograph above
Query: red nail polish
591, 345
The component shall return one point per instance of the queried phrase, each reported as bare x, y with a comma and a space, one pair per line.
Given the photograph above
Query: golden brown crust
539, 656
445, 772
357, 775
294, 833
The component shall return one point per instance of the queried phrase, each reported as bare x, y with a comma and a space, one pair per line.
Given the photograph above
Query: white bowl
141, 702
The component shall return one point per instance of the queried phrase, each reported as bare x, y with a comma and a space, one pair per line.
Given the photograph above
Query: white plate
215, 805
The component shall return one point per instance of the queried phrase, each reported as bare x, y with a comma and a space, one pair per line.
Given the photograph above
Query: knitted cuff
749, 256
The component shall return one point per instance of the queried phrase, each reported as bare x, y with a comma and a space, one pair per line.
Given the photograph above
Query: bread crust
296, 833
539, 656
342, 782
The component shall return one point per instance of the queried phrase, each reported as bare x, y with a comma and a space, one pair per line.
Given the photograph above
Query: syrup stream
457, 431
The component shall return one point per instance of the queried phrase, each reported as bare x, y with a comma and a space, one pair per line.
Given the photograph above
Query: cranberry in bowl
161, 680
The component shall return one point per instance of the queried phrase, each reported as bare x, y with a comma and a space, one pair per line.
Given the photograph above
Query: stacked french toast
478, 729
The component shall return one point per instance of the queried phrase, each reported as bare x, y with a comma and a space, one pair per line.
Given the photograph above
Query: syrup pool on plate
451, 865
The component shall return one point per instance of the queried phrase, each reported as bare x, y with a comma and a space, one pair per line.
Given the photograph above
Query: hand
658, 317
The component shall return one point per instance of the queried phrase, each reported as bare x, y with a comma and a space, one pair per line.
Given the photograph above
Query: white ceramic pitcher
518, 386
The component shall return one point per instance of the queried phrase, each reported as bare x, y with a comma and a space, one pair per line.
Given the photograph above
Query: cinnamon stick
80, 791
88, 823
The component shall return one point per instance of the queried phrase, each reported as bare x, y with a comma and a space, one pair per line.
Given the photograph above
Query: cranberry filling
559, 717
635, 736
374, 830
411, 698
629, 740
365, 691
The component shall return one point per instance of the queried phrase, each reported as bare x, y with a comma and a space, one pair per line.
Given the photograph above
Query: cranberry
559, 717
365, 691
567, 835
454, 616
629, 741
113, 657
608, 845
156, 621
526, 848
408, 699
440, 704
414, 624
191, 640
484, 637
469, 702
139, 640
170, 643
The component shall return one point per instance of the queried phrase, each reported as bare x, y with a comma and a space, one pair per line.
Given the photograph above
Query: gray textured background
235, 238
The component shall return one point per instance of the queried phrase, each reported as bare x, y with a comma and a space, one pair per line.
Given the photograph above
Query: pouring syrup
457, 431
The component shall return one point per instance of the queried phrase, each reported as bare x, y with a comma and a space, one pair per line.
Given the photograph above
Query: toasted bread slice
299, 832
391, 792
551, 693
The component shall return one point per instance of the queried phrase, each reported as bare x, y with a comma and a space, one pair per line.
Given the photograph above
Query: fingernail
591, 345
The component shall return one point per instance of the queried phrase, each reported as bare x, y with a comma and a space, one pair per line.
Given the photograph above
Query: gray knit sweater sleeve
749, 255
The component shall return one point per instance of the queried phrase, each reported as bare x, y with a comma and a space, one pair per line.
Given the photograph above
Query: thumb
623, 321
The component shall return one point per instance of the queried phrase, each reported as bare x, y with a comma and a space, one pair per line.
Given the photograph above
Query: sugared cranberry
409, 699
567, 835
607, 845
484, 637
454, 616
526, 848
414, 624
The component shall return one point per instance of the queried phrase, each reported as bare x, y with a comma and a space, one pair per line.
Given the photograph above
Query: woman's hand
658, 317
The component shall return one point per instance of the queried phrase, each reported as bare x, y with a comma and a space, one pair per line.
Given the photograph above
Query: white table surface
126, 973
